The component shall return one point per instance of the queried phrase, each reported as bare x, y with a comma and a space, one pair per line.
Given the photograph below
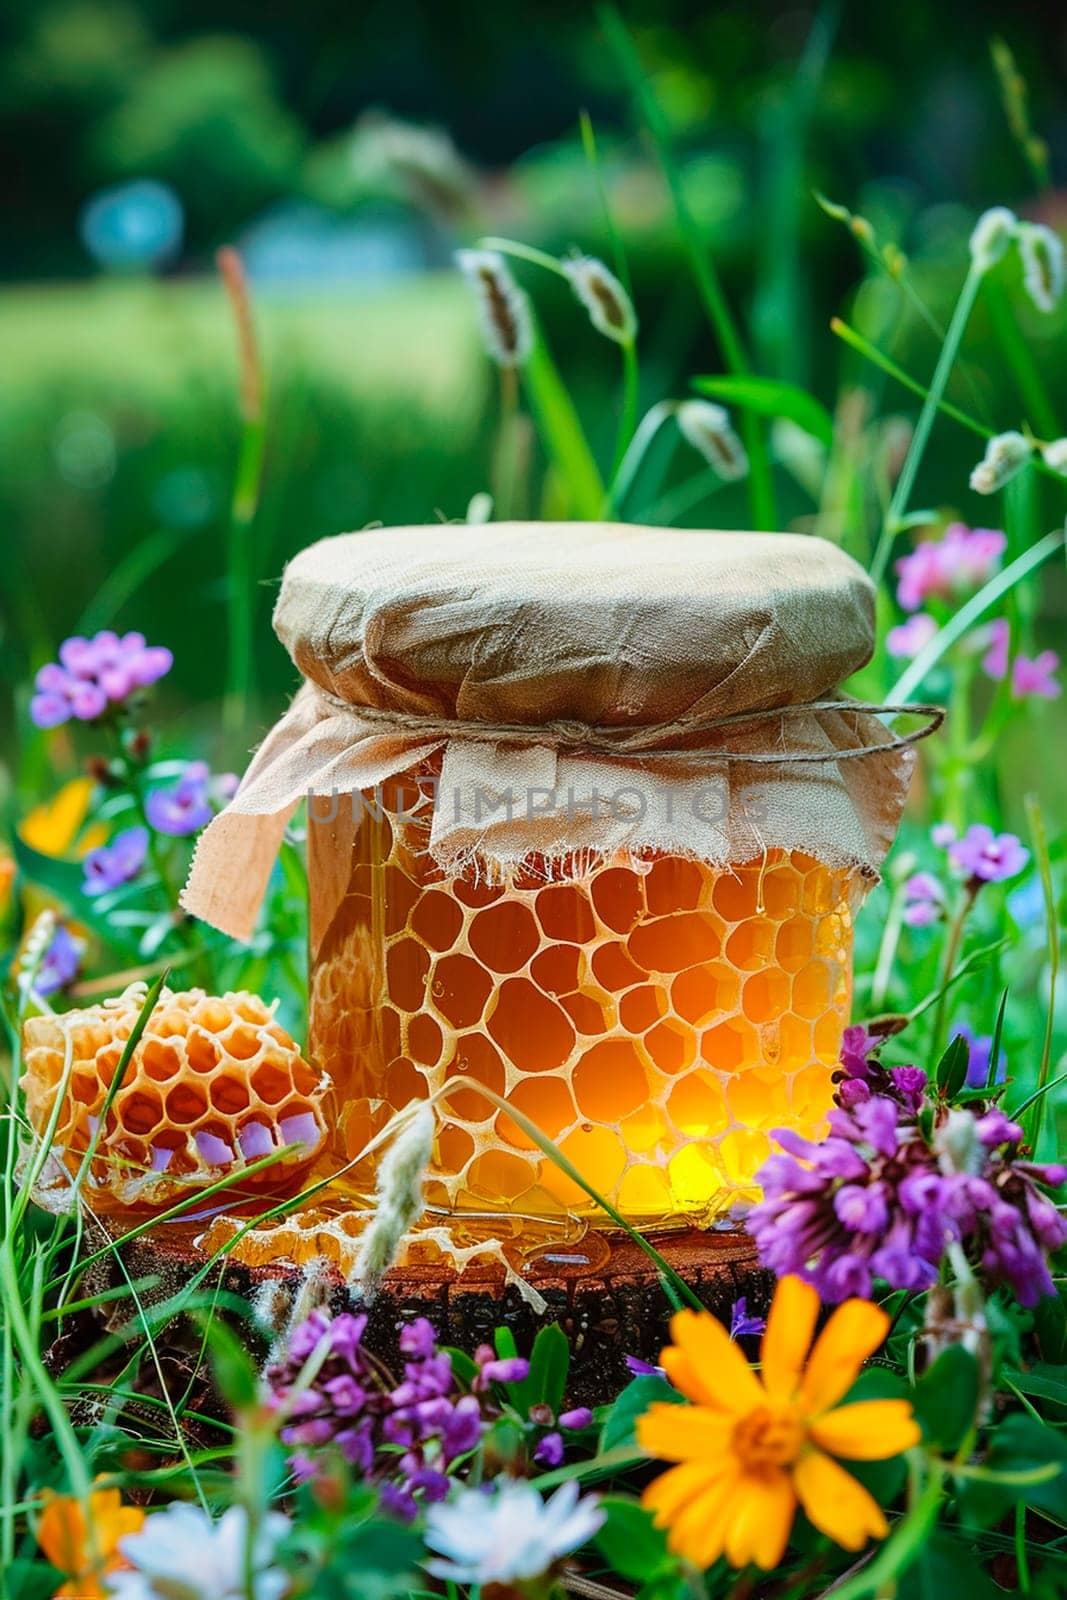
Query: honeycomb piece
214, 1084
656, 1017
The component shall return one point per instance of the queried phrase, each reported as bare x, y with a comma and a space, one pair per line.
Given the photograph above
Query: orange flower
85, 1554
751, 1446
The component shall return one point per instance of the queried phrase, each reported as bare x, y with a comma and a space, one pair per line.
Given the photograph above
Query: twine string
646, 741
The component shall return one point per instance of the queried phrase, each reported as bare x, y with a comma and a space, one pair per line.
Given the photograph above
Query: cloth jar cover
551, 661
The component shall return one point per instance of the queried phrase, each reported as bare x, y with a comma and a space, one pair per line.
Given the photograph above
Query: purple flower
494, 1369
116, 863
1035, 677
92, 675
857, 1045
60, 965
549, 1452
643, 1369
987, 856
908, 638
184, 808
741, 1323
910, 1085
580, 1417
891, 1210
924, 900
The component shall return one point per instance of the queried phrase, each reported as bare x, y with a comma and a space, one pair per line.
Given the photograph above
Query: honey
654, 1016
640, 947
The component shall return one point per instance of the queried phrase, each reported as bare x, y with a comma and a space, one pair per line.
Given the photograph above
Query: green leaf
464, 1366
549, 1363
504, 1344
770, 397
633, 1402
1050, 1328
1019, 1444
1042, 1382
561, 430
946, 1567
950, 1074
946, 1398
636, 1549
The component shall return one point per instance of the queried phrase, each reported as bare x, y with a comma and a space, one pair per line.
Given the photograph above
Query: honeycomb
655, 1017
214, 1084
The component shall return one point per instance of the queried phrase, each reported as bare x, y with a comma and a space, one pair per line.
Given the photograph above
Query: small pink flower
995, 660
988, 856
962, 559
906, 640
1035, 676
924, 899
943, 834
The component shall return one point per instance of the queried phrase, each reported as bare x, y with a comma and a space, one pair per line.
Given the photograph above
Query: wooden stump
619, 1309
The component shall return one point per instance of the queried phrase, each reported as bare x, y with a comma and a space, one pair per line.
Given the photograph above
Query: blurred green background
346, 156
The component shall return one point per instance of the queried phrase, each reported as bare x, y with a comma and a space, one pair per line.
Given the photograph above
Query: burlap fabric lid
554, 663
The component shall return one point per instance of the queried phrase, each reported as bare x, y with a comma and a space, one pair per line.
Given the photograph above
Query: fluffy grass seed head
400, 1202
992, 237
503, 309
1005, 456
1054, 455
609, 306
1044, 269
707, 428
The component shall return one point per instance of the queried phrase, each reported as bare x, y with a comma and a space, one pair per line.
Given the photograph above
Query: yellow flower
53, 826
752, 1445
64, 1536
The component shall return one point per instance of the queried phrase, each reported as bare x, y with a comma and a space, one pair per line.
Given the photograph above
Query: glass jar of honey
588, 823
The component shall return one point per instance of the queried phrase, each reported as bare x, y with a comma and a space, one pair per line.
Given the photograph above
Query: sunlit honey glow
656, 1018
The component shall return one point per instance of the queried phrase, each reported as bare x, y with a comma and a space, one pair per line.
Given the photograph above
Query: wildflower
184, 808
603, 296
116, 863
399, 1201
404, 1436
643, 1369
988, 857
750, 1447
924, 900
741, 1324
875, 1199
61, 962
1035, 676
1042, 256
995, 660
1054, 455
992, 237
94, 675
182, 1552
494, 1369
906, 640
961, 560
707, 428
1005, 456
509, 1537
64, 1536
503, 309
980, 1055
580, 1417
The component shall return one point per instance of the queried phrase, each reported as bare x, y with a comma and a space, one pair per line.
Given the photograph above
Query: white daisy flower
181, 1554
509, 1537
